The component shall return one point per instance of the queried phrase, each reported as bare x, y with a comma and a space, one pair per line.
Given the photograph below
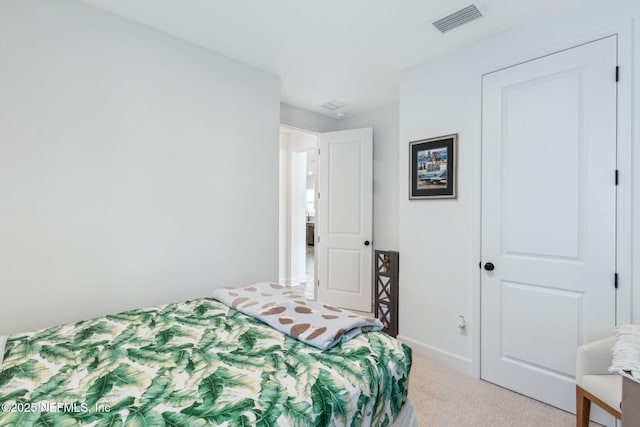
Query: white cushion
594, 358
607, 388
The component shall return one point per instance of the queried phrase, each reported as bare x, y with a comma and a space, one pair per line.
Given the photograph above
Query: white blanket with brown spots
285, 309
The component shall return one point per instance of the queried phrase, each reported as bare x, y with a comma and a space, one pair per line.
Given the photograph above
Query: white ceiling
346, 50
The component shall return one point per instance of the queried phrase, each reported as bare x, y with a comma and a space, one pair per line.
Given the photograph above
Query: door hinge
318, 195
617, 73
318, 239
318, 151
615, 280
318, 283
617, 176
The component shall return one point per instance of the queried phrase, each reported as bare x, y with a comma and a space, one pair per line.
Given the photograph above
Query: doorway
337, 166
298, 172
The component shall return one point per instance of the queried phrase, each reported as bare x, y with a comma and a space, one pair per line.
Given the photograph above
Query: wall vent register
457, 19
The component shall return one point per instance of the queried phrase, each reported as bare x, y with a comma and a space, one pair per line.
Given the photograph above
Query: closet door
548, 218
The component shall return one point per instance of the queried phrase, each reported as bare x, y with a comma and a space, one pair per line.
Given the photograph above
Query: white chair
594, 383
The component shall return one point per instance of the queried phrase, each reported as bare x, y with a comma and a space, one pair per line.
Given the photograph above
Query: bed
199, 362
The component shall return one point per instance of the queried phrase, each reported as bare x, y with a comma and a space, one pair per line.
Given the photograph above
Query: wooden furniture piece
386, 290
583, 407
310, 233
630, 403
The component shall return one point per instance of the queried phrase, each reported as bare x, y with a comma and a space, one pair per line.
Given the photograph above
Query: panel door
345, 219
548, 218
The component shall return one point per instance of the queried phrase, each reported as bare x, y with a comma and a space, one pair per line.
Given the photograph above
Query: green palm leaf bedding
197, 363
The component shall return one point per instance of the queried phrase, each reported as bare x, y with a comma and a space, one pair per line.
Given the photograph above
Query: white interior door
548, 218
345, 219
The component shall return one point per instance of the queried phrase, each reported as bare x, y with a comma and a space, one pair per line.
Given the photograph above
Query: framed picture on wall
433, 168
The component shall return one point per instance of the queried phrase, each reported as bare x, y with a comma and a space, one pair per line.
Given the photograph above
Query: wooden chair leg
583, 408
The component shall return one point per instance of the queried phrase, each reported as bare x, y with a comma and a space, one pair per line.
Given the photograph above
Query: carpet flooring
442, 397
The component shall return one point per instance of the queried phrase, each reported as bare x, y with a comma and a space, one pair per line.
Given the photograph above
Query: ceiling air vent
457, 19
333, 105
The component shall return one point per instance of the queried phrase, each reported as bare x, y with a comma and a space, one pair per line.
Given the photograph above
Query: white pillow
626, 350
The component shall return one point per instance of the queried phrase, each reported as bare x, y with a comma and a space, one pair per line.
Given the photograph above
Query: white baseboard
451, 360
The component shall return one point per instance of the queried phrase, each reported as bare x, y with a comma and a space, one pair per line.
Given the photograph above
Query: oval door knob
366, 243
489, 266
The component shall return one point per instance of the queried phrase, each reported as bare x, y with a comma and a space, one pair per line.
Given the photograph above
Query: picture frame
433, 168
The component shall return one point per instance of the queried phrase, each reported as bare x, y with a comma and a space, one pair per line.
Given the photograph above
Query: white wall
306, 120
439, 239
385, 123
130, 166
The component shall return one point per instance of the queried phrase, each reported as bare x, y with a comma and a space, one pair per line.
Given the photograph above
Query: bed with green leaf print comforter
197, 363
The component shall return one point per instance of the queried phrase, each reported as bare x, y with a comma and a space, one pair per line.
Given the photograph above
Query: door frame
624, 198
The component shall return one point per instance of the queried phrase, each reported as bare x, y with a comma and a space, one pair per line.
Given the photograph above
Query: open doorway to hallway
298, 207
